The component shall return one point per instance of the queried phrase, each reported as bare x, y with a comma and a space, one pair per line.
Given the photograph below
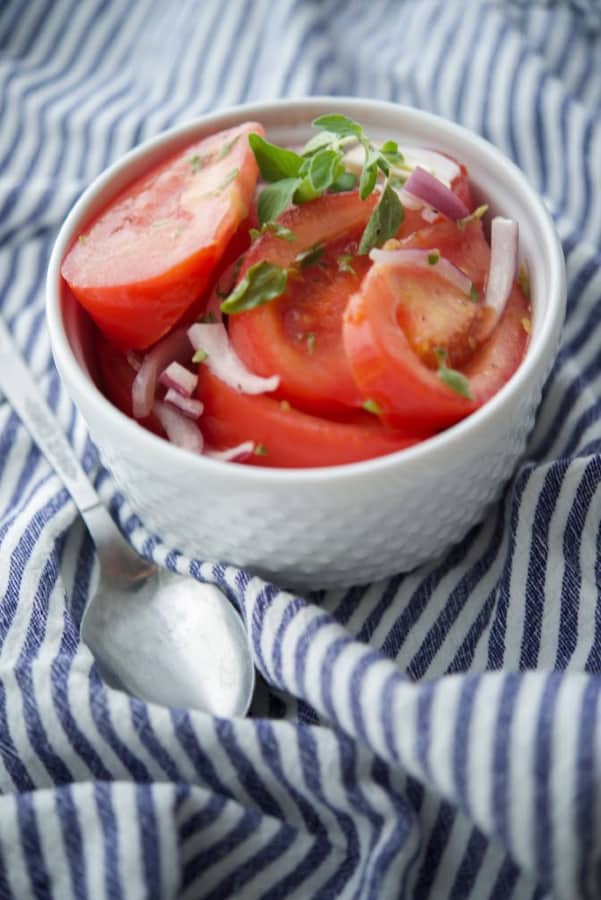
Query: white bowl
340, 525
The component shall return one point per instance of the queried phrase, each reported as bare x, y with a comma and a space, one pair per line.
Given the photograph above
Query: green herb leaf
318, 142
367, 181
305, 191
390, 150
371, 406
433, 257
200, 356
310, 342
347, 181
345, 263
476, 214
474, 294
338, 124
196, 163
274, 162
324, 169
397, 182
274, 199
451, 377
260, 450
384, 222
262, 283
274, 228
311, 256
227, 147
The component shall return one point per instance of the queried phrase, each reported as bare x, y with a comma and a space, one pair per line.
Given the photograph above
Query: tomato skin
151, 253
298, 336
293, 439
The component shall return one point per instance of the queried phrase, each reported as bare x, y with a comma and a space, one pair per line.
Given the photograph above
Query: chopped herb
476, 214
345, 182
275, 163
384, 222
345, 263
338, 125
200, 356
310, 342
227, 147
260, 450
196, 163
474, 293
371, 406
324, 169
82, 238
451, 377
262, 283
433, 257
285, 406
227, 180
275, 198
524, 279
527, 325
397, 182
274, 228
311, 256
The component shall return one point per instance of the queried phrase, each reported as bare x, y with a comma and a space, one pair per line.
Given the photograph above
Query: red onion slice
176, 377
190, 406
233, 454
223, 361
433, 192
180, 430
175, 346
504, 239
420, 259
443, 167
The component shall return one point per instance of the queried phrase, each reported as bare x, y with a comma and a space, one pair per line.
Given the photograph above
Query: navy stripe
68, 815
110, 832
29, 833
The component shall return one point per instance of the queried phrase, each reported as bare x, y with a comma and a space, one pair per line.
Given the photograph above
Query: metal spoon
163, 637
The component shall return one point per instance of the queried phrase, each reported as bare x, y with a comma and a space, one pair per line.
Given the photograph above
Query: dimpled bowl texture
343, 525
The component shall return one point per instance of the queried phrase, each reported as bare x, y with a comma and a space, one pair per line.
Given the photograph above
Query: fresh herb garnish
311, 256
451, 377
526, 325
262, 283
301, 177
227, 147
311, 342
196, 163
227, 180
474, 293
433, 257
384, 222
274, 228
82, 238
345, 263
371, 406
260, 450
200, 356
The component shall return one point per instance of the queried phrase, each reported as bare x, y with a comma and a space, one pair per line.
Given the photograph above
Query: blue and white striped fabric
433, 736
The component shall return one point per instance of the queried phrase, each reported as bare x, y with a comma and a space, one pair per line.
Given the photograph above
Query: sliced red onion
174, 346
190, 406
433, 192
420, 259
504, 239
176, 377
134, 359
429, 215
223, 361
233, 454
443, 167
180, 430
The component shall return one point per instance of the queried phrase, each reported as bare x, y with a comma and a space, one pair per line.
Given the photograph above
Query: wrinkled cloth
431, 736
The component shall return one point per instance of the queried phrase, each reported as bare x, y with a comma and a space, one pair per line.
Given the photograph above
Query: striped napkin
431, 736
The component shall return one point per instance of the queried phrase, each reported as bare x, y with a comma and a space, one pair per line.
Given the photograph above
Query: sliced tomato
152, 252
401, 316
299, 335
289, 437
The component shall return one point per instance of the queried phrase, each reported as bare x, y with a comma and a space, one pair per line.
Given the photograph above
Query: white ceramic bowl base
343, 525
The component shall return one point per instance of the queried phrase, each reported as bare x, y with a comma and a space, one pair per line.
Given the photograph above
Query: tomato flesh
298, 336
290, 437
152, 252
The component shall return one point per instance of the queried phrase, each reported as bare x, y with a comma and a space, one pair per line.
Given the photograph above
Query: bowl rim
441, 446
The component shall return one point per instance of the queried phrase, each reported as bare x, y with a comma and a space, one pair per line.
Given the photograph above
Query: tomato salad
275, 307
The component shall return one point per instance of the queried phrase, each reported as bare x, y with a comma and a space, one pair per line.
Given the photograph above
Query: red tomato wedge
393, 325
152, 252
291, 438
299, 335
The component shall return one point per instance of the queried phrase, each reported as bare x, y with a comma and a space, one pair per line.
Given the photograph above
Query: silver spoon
160, 636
